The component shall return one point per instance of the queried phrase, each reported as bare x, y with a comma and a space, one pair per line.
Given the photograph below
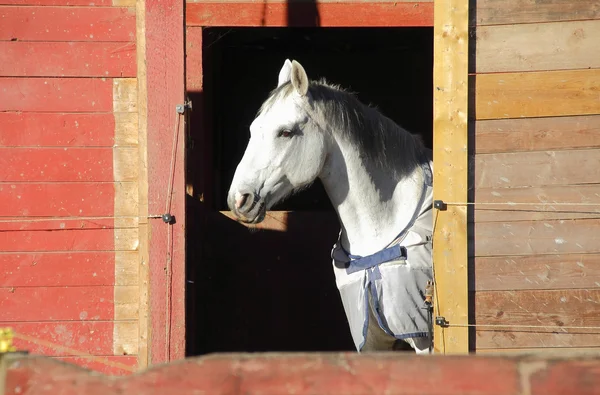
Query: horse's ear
299, 78
285, 74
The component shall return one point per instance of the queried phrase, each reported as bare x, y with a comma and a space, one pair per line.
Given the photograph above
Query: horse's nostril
241, 199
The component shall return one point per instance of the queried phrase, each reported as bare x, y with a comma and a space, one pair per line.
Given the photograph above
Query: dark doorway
273, 289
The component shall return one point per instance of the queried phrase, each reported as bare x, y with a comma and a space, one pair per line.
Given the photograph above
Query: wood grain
558, 46
580, 236
42, 129
193, 59
537, 134
545, 168
512, 273
98, 365
56, 94
113, 24
537, 203
67, 59
553, 308
331, 14
450, 134
67, 235
515, 338
537, 94
493, 12
67, 164
47, 3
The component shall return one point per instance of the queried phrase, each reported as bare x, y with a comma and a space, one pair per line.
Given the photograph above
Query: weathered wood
47, 3
537, 203
60, 303
67, 24
537, 134
125, 95
330, 14
56, 94
534, 47
555, 308
193, 59
517, 339
165, 68
511, 273
537, 94
580, 236
522, 169
67, 59
98, 365
67, 235
450, 133
92, 337
43, 129
498, 12
67, 164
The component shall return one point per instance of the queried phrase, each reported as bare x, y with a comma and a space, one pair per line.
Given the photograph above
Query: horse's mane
384, 143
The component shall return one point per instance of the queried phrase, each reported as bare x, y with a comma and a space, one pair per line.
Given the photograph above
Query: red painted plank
73, 59
79, 199
56, 94
58, 2
83, 336
97, 235
56, 129
67, 23
57, 303
56, 164
97, 365
165, 59
57, 269
359, 14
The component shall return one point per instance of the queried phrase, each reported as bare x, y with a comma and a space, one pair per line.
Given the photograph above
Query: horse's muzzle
248, 207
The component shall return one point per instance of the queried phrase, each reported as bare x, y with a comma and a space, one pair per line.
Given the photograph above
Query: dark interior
272, 290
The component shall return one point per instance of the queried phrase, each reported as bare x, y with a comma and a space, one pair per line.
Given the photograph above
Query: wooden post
450, 255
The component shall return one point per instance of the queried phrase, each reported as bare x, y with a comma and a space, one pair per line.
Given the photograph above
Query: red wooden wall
68, 166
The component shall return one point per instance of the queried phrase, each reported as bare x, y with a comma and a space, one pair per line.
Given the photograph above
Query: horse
378, 177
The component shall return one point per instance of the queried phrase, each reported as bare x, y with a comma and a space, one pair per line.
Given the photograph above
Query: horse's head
286, 150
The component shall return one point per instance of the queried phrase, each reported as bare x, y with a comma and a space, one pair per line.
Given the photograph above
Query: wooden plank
111, 367
524, 169
554, 308
450, 134
124, 95
66, 164
537, 134
72, 236
68, 269
494, 12
84, 336
32, 129
67, 59
537, 203
558, 46
537, 94
56, 94
144, 321
193, 59
510, 339
580, 236
67, 24
330, 14
574, 271
165, 68
48, 3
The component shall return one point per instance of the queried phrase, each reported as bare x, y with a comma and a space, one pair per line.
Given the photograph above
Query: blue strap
358, 263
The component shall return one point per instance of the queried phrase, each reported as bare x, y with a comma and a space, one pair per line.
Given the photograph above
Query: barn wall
69, 149
535, 116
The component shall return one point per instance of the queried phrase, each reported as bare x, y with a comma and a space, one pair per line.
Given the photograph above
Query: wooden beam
450, 131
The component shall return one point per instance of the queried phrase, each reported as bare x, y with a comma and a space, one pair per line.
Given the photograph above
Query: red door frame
167, 77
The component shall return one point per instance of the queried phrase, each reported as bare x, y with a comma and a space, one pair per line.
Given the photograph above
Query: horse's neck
373, 205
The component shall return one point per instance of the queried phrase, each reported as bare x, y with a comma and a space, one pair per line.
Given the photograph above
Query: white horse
379, 179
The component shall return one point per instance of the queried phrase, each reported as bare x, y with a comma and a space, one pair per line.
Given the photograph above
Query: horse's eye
285, 133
